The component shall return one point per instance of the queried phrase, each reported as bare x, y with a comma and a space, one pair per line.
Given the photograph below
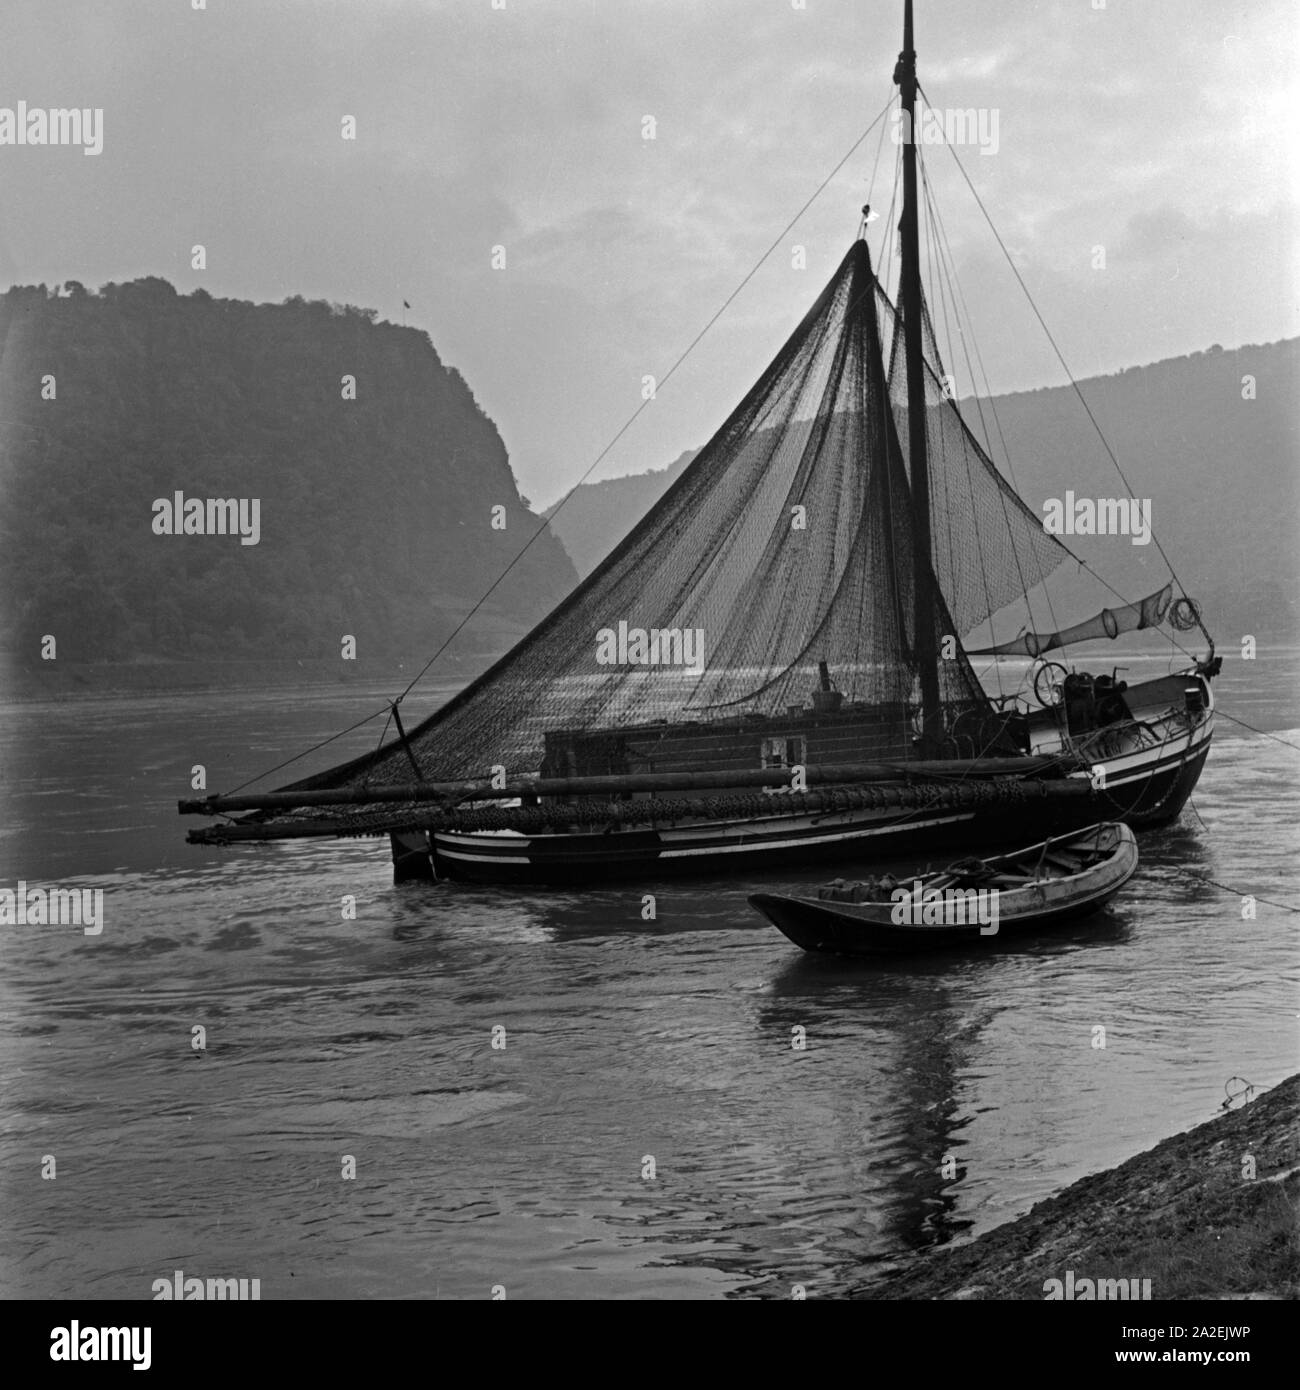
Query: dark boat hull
867, 929
828, 932
1149, 796
1141, 774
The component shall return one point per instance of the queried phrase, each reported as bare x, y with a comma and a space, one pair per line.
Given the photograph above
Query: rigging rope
387, 709
1263, 733
940, 279
1173, 574
887, 244
997, 420
875, 164
1227, 888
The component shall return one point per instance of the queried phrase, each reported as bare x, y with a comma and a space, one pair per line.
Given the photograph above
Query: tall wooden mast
919, 464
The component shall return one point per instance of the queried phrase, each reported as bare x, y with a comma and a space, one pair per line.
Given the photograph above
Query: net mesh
787, 541
987, 547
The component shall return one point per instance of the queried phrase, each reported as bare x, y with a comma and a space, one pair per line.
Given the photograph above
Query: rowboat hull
870, 928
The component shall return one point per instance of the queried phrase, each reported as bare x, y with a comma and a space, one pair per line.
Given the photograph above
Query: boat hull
1143, 795
869, 929
1142, 781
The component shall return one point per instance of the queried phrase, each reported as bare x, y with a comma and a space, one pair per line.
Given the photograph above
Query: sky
1161, 131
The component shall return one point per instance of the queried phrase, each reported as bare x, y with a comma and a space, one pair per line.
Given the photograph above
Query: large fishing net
787, 542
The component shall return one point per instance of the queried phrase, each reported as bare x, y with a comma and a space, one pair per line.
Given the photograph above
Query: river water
932, 1100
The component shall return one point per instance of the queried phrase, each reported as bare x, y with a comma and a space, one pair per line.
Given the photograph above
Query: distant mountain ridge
1211, 438
590, 514
385, 496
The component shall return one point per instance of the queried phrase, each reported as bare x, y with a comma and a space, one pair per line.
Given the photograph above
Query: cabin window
784, 752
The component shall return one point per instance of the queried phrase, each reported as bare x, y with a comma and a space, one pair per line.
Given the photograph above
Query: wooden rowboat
970, 901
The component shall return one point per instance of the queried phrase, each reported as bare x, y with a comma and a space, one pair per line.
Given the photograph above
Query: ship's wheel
1054, 688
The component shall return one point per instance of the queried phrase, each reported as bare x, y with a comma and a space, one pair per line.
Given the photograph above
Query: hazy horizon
1159, 133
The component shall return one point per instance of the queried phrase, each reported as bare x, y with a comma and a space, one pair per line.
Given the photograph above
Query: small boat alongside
1040, 886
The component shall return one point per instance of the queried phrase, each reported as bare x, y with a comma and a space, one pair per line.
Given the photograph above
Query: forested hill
1210, 438
375, 513
594, 517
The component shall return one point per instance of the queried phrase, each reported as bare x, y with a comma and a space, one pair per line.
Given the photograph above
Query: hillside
374, 513
587, 520
1222, 473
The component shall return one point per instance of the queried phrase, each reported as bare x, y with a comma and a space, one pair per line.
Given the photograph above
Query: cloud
1125, 127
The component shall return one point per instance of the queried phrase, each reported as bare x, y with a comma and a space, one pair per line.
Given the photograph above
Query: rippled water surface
626, 1041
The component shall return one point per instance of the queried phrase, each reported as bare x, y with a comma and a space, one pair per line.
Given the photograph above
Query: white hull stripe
445, 853
757, 844
657, 851
745, 839
1130, 768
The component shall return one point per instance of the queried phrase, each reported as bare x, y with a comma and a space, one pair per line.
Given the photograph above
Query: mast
919, 464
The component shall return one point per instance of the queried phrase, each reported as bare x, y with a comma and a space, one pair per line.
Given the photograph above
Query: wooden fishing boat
973, 900
773, 665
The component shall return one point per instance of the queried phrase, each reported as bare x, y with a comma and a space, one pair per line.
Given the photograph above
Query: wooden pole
817, 775
438, 818
909, 301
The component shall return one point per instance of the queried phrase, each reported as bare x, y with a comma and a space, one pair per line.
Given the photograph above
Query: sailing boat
769, 668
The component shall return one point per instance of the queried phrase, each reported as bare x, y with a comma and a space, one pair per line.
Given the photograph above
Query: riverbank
1187, 1215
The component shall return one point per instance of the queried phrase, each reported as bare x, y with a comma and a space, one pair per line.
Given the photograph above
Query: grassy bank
1184, 1215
